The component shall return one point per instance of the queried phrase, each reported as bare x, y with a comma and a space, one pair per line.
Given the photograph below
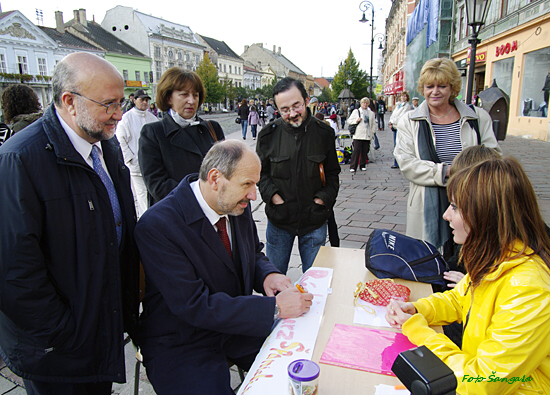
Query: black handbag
351, 129
238, 120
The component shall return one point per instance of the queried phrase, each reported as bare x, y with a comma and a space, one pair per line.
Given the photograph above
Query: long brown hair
499, 206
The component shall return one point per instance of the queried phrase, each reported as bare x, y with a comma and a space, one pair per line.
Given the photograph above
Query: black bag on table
392, 255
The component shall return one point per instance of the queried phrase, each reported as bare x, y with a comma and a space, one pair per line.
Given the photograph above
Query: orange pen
399, 387
301, 289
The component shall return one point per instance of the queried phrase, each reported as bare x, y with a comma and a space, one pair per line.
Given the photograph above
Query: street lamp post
364, 6
476, 14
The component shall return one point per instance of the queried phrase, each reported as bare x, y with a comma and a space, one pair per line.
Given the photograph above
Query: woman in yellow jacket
504, 300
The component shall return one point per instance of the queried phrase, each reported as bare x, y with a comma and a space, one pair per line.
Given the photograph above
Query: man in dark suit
68, 261
202, 259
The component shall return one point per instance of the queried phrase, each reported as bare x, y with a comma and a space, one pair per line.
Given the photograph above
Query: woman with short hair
365, 120
174, 147
428, 139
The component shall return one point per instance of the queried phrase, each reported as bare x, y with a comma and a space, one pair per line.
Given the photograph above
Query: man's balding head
78, 71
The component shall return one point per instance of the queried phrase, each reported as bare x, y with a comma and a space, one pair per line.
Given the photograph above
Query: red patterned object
380, 292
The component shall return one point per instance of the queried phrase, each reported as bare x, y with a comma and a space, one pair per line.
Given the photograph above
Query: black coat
67, 288
168, 152
290, 167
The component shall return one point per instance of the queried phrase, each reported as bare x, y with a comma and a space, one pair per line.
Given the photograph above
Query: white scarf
182, 121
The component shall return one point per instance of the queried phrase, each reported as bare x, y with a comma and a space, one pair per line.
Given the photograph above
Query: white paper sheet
377, 319
384, 389
291, 339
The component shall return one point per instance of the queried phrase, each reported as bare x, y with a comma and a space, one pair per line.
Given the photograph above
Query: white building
168, 44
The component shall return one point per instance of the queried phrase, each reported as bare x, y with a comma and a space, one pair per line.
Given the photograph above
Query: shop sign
480, 57
133, 83
507, 48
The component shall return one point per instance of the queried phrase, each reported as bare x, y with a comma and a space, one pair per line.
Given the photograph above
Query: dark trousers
198, 369
380, 118
360, 152
40, 388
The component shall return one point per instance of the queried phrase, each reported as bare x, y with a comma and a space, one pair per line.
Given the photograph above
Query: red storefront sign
507, 48
480, 57
394, 88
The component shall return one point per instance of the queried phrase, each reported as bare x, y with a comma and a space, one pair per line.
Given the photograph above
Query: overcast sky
315, 35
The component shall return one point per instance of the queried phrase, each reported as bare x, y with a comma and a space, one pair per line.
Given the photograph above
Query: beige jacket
362, 132
422, 173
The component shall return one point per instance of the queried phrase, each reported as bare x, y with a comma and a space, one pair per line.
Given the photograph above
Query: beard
230, 208
296, 121
90, 125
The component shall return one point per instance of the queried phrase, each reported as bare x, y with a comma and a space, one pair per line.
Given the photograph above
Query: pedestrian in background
343, 114
20, 106
253, 120
128, 132
365, 120
402, 107
380, 112
243, 115
154, 110
262, 108
270, 111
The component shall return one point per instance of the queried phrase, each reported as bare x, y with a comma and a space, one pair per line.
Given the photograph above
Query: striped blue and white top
447, 141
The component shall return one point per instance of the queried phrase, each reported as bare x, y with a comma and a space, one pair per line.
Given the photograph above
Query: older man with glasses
299, 178
68, 259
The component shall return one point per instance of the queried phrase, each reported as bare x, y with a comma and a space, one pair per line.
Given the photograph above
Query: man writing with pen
202, 259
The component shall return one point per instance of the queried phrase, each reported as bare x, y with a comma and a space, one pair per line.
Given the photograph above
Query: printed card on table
291, 339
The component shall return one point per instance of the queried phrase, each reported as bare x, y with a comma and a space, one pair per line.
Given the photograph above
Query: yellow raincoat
507, 333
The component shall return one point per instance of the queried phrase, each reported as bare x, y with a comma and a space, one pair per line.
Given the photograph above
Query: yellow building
518, 58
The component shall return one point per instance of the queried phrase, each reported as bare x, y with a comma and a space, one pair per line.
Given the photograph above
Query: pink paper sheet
369, 350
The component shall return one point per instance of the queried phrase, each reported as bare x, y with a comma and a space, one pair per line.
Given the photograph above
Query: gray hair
64, 79
224, 156
365, 100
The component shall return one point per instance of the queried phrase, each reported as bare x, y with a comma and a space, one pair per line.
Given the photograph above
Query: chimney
274, 48
82, 17
246, 48
259, 65
279, 50
59, 26
76, 17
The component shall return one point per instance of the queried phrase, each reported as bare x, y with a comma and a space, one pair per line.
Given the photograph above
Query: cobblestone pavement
367, 200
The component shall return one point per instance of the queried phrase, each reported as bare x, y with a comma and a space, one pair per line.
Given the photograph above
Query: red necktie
222, 232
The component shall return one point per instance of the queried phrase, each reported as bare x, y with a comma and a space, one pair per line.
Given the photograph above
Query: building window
180, 55
171, 64
158, 70
3, 68
170, 54
145, 76
180, 65
125, 75
157, 52
137, 76
461, 26
534, 101
224, 68
502, 73
197, 59
229, 69
42, 67
22, 64
187, 57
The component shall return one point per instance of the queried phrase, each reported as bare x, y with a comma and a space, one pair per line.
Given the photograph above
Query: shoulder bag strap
212, 132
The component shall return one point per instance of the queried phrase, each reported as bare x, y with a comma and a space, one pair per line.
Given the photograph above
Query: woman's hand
397, 313
453, 277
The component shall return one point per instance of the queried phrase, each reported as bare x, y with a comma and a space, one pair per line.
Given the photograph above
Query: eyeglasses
109, 108
295, 108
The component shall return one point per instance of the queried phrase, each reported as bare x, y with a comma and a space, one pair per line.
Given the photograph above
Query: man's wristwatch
277, 312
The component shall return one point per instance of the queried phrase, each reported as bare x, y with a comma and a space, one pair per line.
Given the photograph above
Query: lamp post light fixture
476, 14
364, 6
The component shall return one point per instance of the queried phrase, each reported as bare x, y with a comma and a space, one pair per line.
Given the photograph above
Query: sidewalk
367, 200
